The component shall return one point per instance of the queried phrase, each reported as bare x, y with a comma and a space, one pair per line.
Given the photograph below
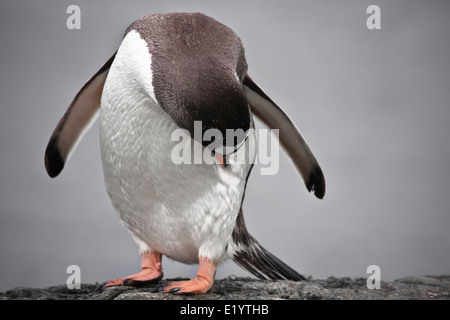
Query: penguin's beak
229, 150
223, 152
222, 159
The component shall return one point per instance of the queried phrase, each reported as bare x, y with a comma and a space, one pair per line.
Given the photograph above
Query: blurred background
372, 104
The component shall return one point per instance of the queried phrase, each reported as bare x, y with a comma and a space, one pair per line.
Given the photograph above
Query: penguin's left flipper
291, 139
77, 119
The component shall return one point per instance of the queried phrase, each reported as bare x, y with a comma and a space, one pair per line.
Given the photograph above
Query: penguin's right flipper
250, 255
77, 119
291, 139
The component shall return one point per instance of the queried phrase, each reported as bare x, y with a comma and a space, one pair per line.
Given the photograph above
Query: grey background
373, 105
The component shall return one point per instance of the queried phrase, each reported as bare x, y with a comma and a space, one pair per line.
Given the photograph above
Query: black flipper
77, 119
291, 139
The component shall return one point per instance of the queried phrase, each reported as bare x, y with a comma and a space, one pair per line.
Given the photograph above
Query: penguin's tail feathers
263, 264
250, 255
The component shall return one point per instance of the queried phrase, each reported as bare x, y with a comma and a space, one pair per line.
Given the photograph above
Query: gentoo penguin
170, 72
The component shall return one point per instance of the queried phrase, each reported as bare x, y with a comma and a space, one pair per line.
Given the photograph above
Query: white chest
182, 211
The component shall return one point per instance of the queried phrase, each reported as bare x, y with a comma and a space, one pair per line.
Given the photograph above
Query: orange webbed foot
197, 285
201, 284
151, 272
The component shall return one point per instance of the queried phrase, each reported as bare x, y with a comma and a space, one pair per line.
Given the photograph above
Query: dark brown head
198, 65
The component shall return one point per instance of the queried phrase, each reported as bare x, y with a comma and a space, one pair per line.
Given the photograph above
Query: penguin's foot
201, 284
151, 272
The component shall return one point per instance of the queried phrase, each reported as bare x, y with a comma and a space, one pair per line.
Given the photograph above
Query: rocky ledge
232, 288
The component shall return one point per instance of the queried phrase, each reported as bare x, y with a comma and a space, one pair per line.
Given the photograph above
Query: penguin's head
222, 111
198, 66
212, 99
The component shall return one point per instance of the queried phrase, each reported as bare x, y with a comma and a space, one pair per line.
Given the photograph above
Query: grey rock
233, 288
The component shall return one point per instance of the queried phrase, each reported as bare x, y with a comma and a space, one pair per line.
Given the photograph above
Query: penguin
178, 72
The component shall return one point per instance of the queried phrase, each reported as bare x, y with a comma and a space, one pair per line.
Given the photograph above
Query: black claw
174, 290
100, 287
125, 282
159, 288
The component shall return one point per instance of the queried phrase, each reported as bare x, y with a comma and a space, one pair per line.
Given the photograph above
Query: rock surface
416, 288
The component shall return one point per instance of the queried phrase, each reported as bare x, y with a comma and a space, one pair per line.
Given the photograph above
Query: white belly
182, 211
